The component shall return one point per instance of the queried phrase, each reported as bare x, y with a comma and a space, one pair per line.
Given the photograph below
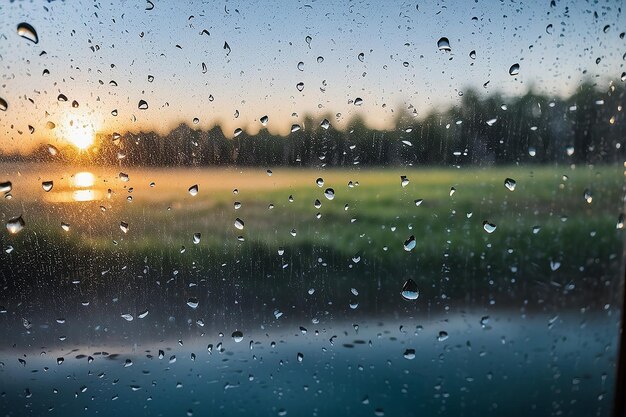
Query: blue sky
401, 64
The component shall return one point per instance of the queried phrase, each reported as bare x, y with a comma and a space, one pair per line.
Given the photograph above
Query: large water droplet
143, 105
410, 243
192, 302
237, 336
514, 70
6, 187
443, 335
489, 227
3, 104
329, 193
239, 223
510, 184
409, 290
193, 190
444, 44
26, 31
15, 225
409, 354
47, 185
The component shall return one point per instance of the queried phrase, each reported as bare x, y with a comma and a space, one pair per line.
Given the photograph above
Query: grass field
548, 237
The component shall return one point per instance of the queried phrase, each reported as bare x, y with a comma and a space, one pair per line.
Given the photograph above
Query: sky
102, 54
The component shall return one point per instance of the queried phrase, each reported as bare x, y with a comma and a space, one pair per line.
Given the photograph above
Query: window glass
311, 207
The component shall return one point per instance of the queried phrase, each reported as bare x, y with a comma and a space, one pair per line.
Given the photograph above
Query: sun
82, 137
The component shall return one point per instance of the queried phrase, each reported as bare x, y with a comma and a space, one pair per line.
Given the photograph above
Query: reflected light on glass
84, 179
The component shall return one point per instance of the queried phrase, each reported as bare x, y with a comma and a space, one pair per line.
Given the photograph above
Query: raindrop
361, 57
6, 187
588, 196
150, 78
26, 31
227, 48
196, 120
409, 354
264, 120
510, 184
127, 317
301, 66
409, 290
472, 54
489, 227
196, 238
514, 70
329, 193
62, 97
570, 150
452, 191
358, 101
444, 44
239, 223
295, 128
492, 122
320, 59
237, 336
143, 314
300, 357
192, 302
124, 227
15, 225
325, 124
442, 336
65, 226
300, 86
3, 104
404, 181
143, 105
410, 243
237, 132
193, 190
532, 151
319, 182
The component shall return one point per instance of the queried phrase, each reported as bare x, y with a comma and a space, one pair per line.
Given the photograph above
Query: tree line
586, 127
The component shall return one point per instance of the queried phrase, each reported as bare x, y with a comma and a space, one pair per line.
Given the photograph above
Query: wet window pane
311, 208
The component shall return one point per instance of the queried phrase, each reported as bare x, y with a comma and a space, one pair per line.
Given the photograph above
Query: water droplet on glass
472, 54
452, 191
301, 66
419, 202
404, 181
3, 104
570, 150
26, 31
510, 184
239, 223
193, 190
492, 122
358, 101
195, 120
361, 56
295, 128
409, 354
444, 44
514, 70
442, 336
62, 97
264, 120
124, 227
329, 193
196, 238
143, 105
6, 187
127, 317
15, 225
588, 196
320, 59
319, 182
409, 290
192, 302
65, 226
300, 86
410, 243
489, 227
325, 124
47, 185
143, 314
237, 336
532, 151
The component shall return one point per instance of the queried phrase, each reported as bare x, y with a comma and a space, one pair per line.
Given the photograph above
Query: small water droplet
127, 317
404, 181
472, 54
143, 105
514, 70
329, 193
409, 290
570, 150
264, 120
419, 202
65, 226
239, 223
300, 86
6, 187
15, 225
410, 243
443, 335
358, 101
124, 227
192, 302
301, 66
295, 128
409, 354
47, 185
588, 196
26, 31
444, 44
237, 132
489, 227
319, 182
361, 57
320, 59
196, 238
62, 97
193, 190
325, 124
452, 191
510, 184
237, 336
3, 104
